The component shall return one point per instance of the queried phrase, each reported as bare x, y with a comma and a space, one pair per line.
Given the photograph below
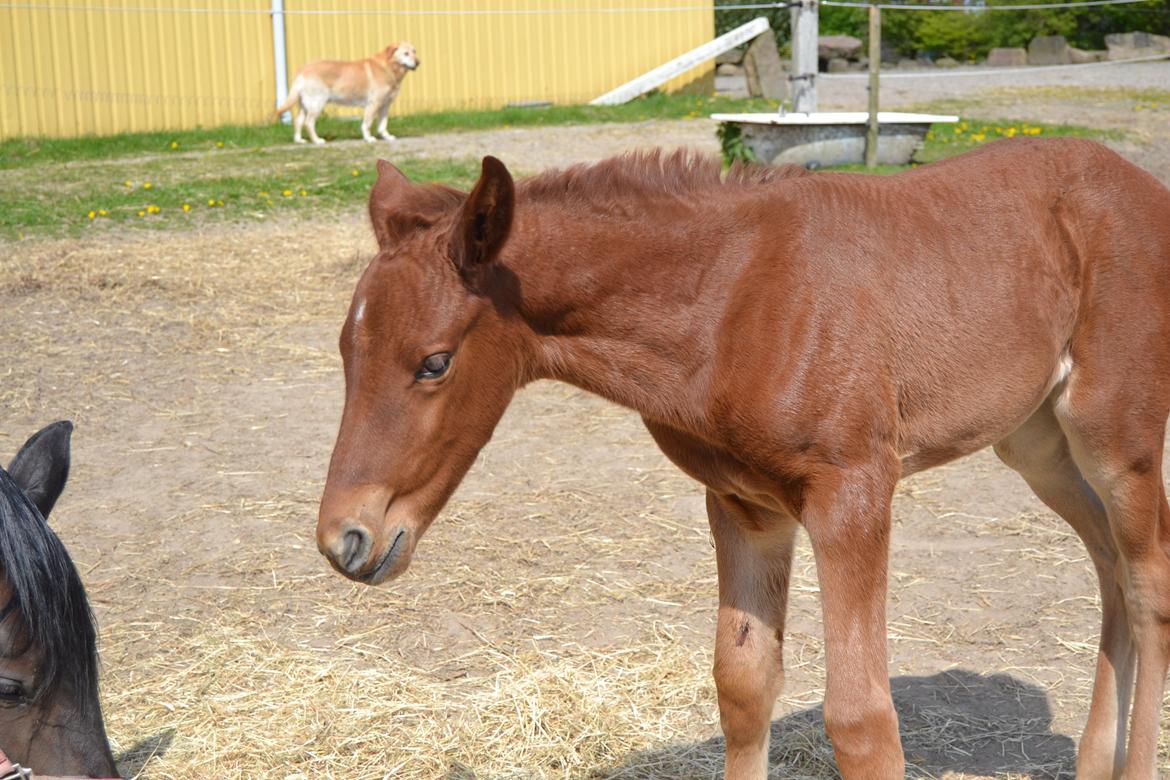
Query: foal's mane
47, 596
685, 175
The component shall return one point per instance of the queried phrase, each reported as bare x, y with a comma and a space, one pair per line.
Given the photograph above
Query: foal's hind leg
1039, 451
1114, 418
754, 553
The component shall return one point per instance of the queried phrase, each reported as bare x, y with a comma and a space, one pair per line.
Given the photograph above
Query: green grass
24, 152
158, 195
949, 140
65, 187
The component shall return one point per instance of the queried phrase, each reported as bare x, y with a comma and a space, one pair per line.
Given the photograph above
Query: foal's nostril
353, 551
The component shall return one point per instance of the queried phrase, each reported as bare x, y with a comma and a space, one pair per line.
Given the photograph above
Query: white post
804, 56
279, 57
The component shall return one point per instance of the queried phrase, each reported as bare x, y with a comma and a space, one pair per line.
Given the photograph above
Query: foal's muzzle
360, 540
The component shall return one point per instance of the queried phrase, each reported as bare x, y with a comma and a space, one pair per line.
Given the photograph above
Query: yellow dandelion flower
92, 214
1011, 132
211, 201
263, 194
142, 213
146, 185
304, 194
287, 193
174, 144
219, 144
186, 207
219, 203
978, 137
103, 213
354, 172
127, 183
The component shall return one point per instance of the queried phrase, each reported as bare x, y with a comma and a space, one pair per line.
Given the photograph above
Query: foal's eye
434, 366
11, 692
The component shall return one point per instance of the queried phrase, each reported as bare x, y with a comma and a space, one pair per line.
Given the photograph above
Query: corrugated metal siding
93, 67
97, 69
577, 51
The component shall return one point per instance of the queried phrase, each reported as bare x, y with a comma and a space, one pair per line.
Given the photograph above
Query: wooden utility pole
875, 63
804, 56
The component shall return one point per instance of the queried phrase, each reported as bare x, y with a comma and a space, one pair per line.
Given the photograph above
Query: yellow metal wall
75, 67
571, 53
93, 69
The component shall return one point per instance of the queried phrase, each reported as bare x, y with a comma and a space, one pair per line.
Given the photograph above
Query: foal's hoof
388, 137
319, 141
298, 140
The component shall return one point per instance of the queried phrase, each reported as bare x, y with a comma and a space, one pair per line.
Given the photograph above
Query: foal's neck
624, 305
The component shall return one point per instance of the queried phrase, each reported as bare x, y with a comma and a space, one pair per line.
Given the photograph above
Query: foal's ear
42, 465
486, 217
399, 208
386, 194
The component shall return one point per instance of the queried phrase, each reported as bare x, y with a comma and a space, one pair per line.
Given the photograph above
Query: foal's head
431, 362
50, 717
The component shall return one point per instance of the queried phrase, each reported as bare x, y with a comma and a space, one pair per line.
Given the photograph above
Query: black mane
47, 596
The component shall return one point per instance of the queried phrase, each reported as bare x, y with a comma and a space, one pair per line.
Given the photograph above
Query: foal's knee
747, 683
745, 703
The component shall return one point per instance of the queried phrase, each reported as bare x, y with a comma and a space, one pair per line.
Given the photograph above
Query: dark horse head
50, 716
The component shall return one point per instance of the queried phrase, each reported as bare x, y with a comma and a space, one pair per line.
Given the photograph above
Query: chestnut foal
797, 344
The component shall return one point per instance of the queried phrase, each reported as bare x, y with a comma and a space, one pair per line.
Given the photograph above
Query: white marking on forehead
359, 311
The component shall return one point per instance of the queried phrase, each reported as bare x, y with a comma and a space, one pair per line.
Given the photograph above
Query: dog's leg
384, 117
311, 122
368, 119
298, 124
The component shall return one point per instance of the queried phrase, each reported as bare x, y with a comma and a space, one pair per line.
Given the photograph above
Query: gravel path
847, 91
1076, 95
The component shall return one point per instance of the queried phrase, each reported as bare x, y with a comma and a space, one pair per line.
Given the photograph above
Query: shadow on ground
132, 761
954, 721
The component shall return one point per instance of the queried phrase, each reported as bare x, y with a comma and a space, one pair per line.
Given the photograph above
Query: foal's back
965, 287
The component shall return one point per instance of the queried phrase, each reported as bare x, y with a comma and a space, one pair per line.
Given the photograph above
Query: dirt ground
558, 618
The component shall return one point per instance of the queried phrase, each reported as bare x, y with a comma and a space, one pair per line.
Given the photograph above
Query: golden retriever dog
373, 83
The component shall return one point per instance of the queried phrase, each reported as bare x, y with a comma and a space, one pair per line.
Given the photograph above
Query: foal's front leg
753, 549
847, 516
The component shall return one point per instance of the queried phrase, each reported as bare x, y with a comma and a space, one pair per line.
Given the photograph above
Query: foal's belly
975, 415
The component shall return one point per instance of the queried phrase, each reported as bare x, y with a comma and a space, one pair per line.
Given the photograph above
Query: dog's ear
399, 208
390, 50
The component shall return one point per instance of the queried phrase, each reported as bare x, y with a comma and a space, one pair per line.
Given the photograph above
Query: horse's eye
12, 692
434, 366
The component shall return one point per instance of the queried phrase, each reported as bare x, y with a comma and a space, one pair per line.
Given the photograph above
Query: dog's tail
294, 98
